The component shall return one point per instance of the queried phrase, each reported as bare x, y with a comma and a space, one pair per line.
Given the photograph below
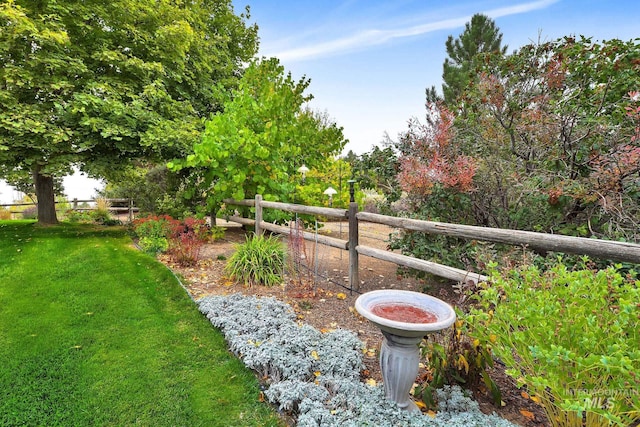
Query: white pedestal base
399, 362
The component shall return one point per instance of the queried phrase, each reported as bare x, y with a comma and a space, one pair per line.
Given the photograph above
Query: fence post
130, 210
354, 280
75, 203
258, 229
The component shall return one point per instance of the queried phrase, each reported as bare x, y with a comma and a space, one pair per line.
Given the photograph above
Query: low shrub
452, 251
186, 239
153, 245
30, 213
75, 216
258, 261
570, 336
152, 232
455, 358
182, 240
5, 214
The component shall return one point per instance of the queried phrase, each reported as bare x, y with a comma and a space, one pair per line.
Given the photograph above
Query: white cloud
374, 37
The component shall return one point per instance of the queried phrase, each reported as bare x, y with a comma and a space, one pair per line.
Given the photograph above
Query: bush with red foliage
186, 239
183, 240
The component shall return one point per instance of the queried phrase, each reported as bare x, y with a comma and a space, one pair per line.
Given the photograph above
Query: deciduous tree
97, 84
261, 137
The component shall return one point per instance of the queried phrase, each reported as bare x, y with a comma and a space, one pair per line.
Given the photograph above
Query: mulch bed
320, 296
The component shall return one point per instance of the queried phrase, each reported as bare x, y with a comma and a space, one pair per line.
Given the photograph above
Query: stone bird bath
404, 317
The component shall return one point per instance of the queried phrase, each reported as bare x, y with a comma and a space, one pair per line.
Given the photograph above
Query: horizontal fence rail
616, 251
440, 270
129, 206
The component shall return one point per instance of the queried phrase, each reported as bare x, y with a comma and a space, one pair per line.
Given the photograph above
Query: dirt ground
320, 295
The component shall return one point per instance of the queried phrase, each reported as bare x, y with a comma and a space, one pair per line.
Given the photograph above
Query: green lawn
93, 332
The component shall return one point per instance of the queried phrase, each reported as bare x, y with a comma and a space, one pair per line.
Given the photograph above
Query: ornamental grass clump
259, 261
571, 337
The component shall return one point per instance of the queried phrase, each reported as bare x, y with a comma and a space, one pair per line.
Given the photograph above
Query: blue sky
370, 61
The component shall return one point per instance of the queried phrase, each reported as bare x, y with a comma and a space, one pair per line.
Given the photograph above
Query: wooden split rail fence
116, 205
605, 249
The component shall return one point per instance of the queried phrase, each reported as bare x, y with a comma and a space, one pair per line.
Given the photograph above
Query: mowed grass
93, 332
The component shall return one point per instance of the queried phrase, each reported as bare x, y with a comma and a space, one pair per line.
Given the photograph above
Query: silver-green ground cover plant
316, 376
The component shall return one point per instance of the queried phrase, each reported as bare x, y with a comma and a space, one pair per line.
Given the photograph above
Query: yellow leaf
463, 362
431, 413
493, 338
317, 373
536, 399
420, 405
314, 354
341, 295
371, 382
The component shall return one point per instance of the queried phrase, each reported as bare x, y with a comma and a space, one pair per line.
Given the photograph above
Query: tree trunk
46, 198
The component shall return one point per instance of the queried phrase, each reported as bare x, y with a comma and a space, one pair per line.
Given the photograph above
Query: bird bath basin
404, 317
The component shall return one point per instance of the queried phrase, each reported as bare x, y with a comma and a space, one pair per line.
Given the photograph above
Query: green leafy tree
146, 184
378, 169
261, 137
481, 35
334, 173
98, 84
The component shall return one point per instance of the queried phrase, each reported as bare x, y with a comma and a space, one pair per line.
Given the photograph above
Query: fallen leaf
341, 295
527, 414
371, 382
314, 354
420, 404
